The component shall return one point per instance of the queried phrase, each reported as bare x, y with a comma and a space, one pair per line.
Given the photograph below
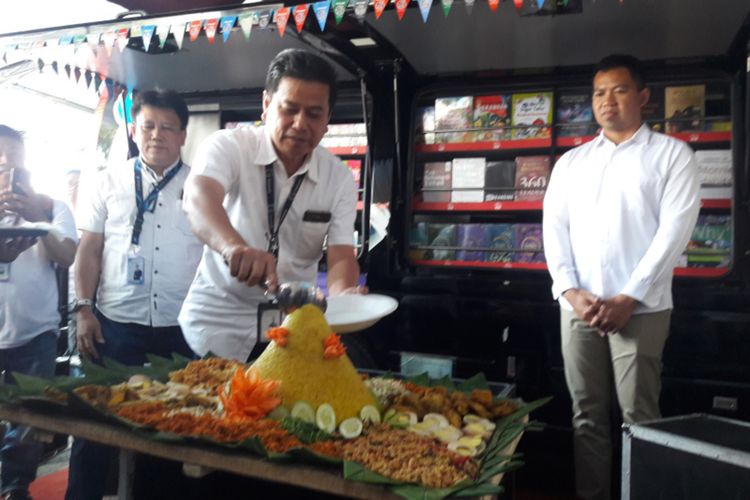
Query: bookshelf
437, 201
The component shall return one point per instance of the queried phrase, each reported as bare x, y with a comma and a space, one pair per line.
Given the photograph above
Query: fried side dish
207, 373
454, 405
405, 456
170, 419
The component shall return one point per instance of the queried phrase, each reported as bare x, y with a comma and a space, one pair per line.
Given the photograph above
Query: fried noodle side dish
207, 373
405, 456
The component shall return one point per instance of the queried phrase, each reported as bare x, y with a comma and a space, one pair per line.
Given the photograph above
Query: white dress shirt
28, 299
617, 217
169, 249
220, 313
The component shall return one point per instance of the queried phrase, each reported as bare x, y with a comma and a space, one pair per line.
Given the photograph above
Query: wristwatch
77, 304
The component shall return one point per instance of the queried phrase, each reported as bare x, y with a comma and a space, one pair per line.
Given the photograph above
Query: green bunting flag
447, 4
339, 9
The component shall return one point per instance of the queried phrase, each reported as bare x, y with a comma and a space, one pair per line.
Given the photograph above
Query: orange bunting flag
300, 15
195, 30
282, 17
493, 4
380, 6
211, 27
401, 6
518, 4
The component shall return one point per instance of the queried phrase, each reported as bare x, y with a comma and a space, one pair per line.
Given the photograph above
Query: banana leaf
445, 381
309, 456
478, 381
356, 472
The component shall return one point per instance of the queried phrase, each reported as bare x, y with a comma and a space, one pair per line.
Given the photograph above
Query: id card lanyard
273, 236
148, 204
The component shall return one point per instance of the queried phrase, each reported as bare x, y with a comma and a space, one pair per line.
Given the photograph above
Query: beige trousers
632, 359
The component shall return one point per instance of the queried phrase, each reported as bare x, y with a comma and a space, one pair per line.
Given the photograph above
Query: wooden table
314, 478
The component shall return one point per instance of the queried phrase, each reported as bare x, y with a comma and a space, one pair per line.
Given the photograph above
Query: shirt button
156, 272
155, 295
158, 226
157, 249
161, 204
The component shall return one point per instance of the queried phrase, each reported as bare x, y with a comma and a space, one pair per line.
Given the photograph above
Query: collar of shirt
267, 154
642, 135
152, 175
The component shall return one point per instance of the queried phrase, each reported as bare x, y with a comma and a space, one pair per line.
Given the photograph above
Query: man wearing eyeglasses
138, 255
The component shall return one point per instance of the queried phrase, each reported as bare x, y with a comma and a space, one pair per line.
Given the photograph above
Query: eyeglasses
168, 128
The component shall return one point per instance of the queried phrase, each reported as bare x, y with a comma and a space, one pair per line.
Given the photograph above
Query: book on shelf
718, 110
711, 242
355, 167
418, 238
714, 166
454, 115
532, 176
441, 235
528, 237
575, 117
499, 181
467, 180
532, 115
653, 111
684, 108
436, 182
492, 113
470, 236
501, 237
425, 130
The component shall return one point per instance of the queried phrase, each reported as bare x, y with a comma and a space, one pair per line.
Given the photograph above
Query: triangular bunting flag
210, 27
122, 38
401, 6
109, 40
282, 17
98, 81
300, 15
227, 23
264, 20
67, 70
65, 40
147, 34
339, 9
321, 12
136, 31
94, 38
447, 4
89, 77
565, 3
77, 73
79, 40
178, 31
40, 64
493, 4
195, 29
469, 5
162, 31
424, 8
541, 2
379, 6
360, 9
246, 23
518, 4
54, 67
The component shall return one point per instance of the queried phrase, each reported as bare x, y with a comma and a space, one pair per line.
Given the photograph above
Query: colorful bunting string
282, 18
300, 15
227, 23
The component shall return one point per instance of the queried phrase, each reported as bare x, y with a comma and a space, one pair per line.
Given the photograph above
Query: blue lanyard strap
273, 235
149, 204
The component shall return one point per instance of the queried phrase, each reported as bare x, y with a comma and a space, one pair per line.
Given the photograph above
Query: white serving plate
351, 313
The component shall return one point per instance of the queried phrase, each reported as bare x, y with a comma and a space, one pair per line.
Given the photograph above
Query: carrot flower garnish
247, 397
332, 347
278, 334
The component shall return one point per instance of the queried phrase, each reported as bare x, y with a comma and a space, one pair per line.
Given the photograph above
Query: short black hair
304, 65
11, 133
630, 63
164, 99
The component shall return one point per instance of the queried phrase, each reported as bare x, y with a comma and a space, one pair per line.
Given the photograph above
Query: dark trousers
20, 457
127, 343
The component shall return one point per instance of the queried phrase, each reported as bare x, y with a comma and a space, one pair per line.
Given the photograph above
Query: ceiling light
363, 42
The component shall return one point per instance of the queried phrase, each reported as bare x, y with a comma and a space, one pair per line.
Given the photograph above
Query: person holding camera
29, 317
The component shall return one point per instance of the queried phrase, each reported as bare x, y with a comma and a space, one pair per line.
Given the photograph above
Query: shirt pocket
313, 236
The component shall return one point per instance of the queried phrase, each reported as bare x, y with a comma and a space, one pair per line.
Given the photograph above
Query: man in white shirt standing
618, 213
139, 255
263, 200
28, 298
